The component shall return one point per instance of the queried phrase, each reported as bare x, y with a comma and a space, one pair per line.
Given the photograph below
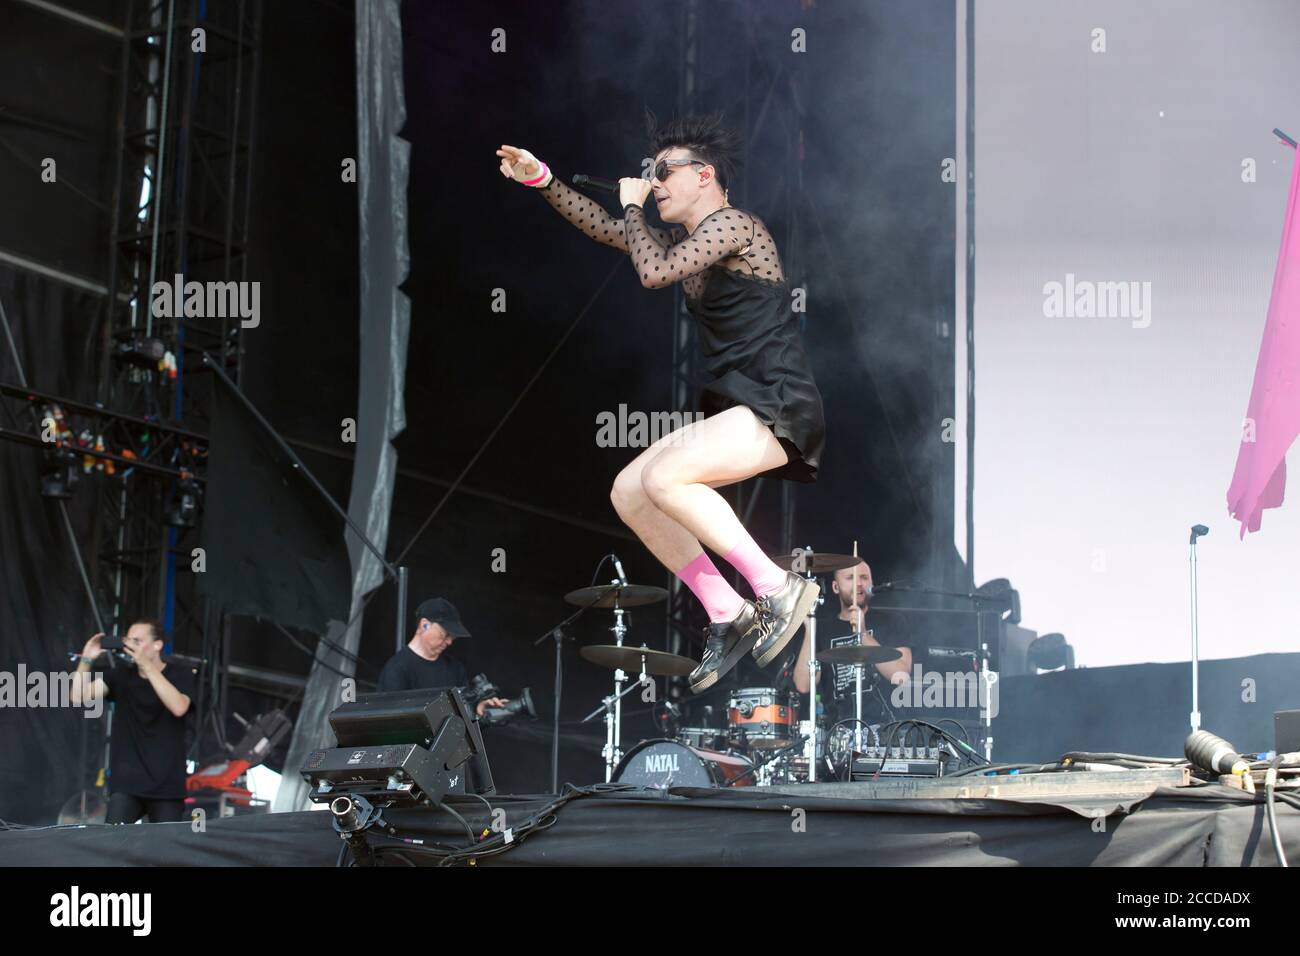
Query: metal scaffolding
180, 207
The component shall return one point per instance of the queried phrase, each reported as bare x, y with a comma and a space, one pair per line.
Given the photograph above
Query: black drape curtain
49, 753
274, 548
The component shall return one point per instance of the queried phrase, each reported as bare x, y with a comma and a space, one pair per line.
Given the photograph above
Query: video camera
481, 688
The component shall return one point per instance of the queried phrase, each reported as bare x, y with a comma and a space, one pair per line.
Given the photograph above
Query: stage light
140, 351
58, 475
405, 747
184, 511
1049, 652
1000, 596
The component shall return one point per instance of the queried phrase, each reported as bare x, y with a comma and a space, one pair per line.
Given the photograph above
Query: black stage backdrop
58, 102
48, 753
273, 546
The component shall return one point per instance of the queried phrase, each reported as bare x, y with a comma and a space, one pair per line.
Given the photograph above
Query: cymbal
629, 659
620, 595
859, 654
817, 562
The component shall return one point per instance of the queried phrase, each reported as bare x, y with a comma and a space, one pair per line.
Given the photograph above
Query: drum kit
763, 742
619, 596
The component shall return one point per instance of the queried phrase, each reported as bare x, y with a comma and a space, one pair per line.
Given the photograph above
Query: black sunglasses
663, 167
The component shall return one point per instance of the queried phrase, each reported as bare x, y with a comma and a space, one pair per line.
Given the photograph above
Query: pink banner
1273, 415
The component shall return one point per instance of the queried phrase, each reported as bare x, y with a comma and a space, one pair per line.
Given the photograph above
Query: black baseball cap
441, 611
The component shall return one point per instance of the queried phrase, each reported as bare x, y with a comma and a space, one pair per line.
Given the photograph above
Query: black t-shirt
843, 702
147, 752
829, 626
407, 670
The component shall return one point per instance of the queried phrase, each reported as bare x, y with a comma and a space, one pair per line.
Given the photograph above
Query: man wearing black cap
424, 663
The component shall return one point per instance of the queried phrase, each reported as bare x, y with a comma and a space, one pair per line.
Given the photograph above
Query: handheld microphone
618, 566
595, 182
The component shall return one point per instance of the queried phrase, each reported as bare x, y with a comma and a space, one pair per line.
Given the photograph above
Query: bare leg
666, 539
680, 478
683, 508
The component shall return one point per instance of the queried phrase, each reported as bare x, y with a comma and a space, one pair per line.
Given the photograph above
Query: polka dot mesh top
728, 238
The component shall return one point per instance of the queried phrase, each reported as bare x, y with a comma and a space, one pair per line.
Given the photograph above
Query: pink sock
719, 598
759, 570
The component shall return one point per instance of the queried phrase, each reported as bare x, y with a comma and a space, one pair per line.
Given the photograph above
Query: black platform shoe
725, 644
785, 612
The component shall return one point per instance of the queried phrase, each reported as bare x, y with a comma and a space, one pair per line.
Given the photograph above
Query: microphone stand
558, 635
1195, 716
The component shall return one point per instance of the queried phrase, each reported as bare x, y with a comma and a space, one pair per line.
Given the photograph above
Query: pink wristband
533, 182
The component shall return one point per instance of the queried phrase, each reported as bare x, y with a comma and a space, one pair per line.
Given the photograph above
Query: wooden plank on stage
1081, 784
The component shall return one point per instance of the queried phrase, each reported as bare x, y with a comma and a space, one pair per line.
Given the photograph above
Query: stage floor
813, 825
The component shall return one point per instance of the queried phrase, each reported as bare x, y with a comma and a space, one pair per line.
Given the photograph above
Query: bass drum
660, 764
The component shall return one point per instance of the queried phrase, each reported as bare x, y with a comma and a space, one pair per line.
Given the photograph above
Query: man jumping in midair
763, 410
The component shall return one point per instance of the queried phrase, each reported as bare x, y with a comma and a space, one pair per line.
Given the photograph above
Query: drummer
851, 611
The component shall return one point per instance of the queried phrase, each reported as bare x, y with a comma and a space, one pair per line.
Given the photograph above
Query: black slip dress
749, 334
754, 356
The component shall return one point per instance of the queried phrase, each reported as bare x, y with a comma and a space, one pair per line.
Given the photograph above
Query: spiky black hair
707, 137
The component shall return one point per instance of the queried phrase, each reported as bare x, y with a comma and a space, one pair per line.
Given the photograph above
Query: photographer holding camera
424, 664
147, 753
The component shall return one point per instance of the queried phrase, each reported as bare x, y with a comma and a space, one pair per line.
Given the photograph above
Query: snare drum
703, 738
660, 764
761, 717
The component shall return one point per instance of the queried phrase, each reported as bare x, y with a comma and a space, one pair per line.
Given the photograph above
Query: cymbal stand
858, 670
613, 704
811, 625
857, 712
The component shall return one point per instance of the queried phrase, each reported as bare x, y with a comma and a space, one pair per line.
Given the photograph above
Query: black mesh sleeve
722, 233
589, 216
